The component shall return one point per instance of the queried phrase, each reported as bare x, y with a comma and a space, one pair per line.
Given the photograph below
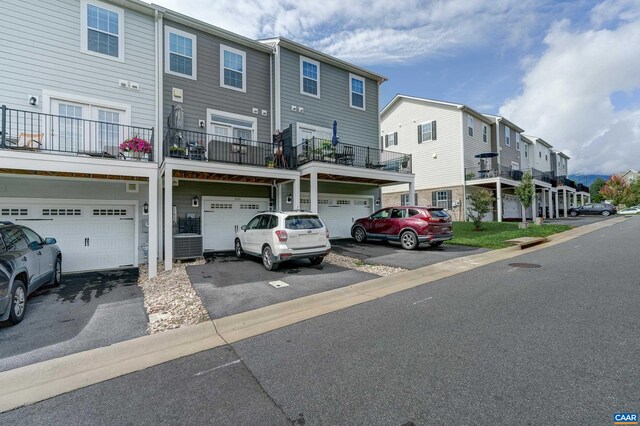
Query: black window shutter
433, 130
415, 199
434, 198
381, 141
420, 133
386, 141
449, 200
395, 138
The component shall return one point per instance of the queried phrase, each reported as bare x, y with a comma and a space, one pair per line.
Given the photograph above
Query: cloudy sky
567, 71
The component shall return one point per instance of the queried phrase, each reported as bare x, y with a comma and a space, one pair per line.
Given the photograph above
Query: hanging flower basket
136, 147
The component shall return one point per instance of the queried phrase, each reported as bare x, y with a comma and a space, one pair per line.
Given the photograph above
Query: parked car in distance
280, 236
27, 262
409, 225
630, 210
593, 208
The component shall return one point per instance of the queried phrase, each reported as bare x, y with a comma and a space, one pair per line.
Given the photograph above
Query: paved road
501, 344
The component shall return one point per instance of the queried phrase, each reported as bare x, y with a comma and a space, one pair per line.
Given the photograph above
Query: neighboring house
630, 175
340, 181
81, 80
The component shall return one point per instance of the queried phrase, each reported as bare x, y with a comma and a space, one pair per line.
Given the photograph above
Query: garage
91, 235
338, 212
223, 216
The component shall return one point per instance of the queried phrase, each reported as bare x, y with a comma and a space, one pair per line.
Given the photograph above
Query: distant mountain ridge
587, 179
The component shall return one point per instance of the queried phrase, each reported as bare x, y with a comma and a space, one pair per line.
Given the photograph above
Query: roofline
540, 140
562, 154
136, 5
211, 29
461, 107
316, 54
511, 124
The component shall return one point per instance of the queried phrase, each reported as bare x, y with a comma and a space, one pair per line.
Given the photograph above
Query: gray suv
27, 262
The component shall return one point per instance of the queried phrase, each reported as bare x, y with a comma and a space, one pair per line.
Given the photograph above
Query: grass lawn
494, 234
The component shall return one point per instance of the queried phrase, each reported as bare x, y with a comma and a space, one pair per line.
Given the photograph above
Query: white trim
518, 141
244, 68
276, 88
254, 120
84, 35
194, 53
357, 172
486, 135
364, 91
226, 168
430, 123
470, 125
316, 63
49, 95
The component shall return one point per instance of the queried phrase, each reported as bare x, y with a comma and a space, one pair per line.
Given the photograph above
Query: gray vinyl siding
41, 45
554, 163
355, 126
206, 92
474, 145
508, 154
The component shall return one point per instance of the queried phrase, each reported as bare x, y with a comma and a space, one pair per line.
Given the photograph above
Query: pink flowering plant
136, 144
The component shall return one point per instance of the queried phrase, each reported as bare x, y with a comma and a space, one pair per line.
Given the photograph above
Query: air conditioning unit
187, 246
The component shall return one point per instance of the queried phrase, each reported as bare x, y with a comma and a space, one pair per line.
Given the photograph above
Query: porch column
160, 209
564, 200
544, 203
534, 206
279, 197
582, 199
313, 191
296, 193
168, 219
152, 249
575, 199
412, 193
588, 198
557, 206
550, 204
499, 200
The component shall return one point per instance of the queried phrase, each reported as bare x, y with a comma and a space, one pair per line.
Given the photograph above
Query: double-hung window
180, 53
310, 77
526, 150
442, 199
517, 141
485, 133
233, 74
356, 92
102, 30
427, 132
507, 136
232, 128
470, 126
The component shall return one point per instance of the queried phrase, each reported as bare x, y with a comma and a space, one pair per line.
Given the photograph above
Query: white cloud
566, 97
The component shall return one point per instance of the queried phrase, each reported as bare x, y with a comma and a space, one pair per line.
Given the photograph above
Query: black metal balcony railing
322, 150
546, 177
564, 181
582, 188
474, 173
48, 133
208, 147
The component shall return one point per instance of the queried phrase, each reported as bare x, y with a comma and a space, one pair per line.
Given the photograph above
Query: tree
480, 203
525, 192
616, 190
594, 190
633, 197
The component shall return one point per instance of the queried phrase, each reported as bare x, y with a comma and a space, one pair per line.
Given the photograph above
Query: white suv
280, 236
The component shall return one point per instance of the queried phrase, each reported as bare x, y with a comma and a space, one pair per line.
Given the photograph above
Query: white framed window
230, 127
102, 30
517, 141
427, 131
442, 199
540, 154
470, 126
515, 166
485, 133
309, 77
526, 150
180, 53
306, 132
507, 136
391, 139
564, 164
356, 92
233, 74
405, 200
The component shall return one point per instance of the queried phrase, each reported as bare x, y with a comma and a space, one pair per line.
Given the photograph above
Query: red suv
409, 225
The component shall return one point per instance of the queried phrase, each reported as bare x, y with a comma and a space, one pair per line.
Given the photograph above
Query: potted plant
177, 151
136, 146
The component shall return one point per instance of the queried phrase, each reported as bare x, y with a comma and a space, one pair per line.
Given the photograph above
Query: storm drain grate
525, 265
278, 284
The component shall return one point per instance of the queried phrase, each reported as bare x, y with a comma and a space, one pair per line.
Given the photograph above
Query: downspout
160, 129
271, 118
463, 202
277, 88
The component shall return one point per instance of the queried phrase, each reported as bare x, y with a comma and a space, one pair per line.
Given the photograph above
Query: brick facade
425, 199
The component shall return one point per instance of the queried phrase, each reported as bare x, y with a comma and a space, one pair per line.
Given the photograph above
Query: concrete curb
43, 380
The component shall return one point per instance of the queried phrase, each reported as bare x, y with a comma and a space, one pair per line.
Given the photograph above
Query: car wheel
18, 302
436, 244
267, 259
238, 249
316, 260
606, 213
573, 213
409, 240
57, 272
359, 234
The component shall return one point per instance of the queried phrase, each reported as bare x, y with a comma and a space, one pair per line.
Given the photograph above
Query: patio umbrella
334, 138
486, 155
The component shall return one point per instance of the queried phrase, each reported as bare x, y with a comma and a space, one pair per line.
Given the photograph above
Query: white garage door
91, 237
339, 212
222, 217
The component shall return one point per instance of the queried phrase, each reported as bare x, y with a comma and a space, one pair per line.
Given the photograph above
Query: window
310, 77
442, 199
14, 239
485, 133
427, 132
470, 126
546, 157
405, 201
102, 30
382, 214
180, 53
517, 141
229, 127
391, 139
540, 154
232, 68
32, 237
356, 92
3, 248
302, 222
399, 213
507, 136
526, 150
564, 164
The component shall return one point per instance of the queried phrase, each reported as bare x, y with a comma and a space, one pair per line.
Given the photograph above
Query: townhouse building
78, 149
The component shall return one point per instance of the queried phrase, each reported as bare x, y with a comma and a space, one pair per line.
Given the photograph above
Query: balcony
547, 177
475, 173
323, 151
582, 188
564, 181
29, 131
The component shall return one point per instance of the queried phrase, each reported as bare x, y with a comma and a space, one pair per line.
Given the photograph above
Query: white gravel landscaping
359, 265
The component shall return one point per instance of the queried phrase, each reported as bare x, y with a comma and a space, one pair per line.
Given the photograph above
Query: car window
413, 212
32, 237
382, 214
264, 221
438, 213
274, 222
253, 223
3, 248
14, 239
302, 222
398, 213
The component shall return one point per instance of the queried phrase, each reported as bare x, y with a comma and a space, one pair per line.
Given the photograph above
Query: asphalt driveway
86, 311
